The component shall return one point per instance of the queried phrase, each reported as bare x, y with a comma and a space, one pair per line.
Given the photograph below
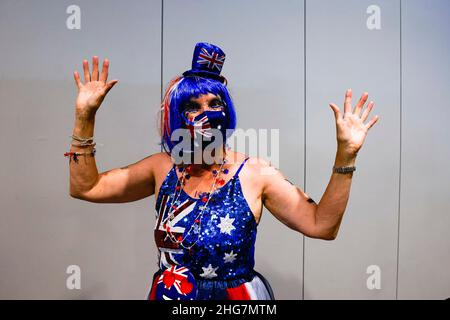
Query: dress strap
240, 167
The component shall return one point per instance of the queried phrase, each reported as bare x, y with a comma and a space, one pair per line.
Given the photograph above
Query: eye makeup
192, 106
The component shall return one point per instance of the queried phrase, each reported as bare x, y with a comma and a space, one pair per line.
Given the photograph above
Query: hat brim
205, 74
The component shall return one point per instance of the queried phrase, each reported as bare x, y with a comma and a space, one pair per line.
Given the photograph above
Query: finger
104, 75
367, 111
348, 101
76, 76
337, 112
110, 84
95, 68
87, 76
372, 122
361, 103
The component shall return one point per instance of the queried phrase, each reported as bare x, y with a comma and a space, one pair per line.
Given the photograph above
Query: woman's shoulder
161, 158
254, 175
160, 162
254, 166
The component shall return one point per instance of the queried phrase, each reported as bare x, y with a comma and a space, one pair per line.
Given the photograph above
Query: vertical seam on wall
161, 72
304, 136
400, 164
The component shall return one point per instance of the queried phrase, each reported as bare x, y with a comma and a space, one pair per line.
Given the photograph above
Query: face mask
201, 125
200, 129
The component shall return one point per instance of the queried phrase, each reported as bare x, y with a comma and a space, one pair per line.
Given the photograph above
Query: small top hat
207, 62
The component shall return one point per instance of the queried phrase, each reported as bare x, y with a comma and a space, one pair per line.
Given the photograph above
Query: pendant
196, 228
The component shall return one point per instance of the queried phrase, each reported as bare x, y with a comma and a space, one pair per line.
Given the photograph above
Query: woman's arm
90, 95
332, 205
296, 209
130, 183
126, 184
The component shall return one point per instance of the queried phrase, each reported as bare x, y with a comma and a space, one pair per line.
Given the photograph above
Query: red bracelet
75, 155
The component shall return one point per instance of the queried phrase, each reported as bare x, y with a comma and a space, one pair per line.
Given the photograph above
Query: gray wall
286, 60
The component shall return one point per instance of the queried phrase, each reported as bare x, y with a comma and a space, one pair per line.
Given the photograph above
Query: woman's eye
217, 106
190, 109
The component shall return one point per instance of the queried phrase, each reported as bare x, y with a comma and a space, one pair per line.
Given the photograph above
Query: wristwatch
343, 169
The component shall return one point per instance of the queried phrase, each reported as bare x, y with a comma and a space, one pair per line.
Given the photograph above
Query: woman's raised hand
94, 89
350, 127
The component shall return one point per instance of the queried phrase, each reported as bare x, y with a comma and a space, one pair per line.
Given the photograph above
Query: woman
207, 212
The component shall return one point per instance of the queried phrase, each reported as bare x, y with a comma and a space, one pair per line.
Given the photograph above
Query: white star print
209, 272
226, 225
230, 257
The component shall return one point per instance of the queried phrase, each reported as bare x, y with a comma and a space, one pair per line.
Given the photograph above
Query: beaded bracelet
83, 144
75, 155
83, 141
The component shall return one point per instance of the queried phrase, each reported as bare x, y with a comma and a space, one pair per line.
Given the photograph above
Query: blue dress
221, 263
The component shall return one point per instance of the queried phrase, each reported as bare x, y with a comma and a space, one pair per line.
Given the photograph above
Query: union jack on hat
207, 62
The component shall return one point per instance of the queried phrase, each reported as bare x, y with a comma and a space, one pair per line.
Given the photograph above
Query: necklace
204, 198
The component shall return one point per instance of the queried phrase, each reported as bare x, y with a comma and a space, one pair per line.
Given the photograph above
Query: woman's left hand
350, 128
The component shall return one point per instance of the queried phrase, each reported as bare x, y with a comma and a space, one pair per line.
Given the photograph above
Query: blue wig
180, 90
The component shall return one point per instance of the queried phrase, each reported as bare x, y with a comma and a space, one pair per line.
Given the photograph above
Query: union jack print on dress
169, 250
175, 283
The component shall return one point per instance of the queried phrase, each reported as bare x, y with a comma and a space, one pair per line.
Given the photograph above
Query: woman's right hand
94, 89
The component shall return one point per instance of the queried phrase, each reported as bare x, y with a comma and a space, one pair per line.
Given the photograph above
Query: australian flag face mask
206, 128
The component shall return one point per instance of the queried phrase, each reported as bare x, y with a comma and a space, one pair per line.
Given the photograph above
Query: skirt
252, 287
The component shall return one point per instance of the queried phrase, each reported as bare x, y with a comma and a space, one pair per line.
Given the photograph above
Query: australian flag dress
220, 266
